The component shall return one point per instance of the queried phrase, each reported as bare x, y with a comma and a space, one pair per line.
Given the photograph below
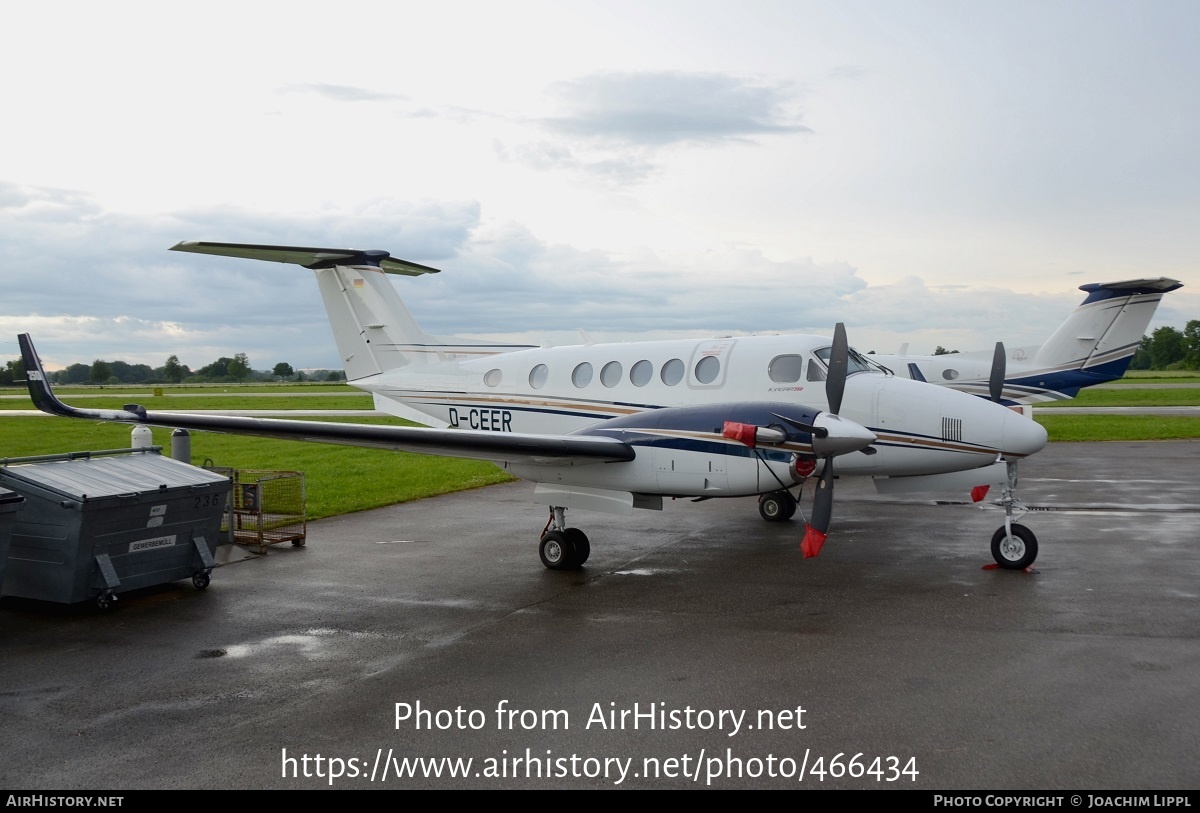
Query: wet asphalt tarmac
916, 665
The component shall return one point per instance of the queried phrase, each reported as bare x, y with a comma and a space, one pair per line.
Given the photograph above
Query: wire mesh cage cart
266, 508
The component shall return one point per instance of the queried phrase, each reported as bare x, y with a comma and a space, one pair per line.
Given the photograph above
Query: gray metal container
96, 524
10, 504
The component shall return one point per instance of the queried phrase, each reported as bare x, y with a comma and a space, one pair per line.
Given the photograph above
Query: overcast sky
932, 172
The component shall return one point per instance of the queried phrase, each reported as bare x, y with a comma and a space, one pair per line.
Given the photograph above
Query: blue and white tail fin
373, 329
1093, 345
1100, 337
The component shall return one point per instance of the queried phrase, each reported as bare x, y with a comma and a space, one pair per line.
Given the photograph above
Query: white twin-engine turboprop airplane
614, 427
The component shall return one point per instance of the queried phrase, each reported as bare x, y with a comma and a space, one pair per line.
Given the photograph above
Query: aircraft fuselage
584, 388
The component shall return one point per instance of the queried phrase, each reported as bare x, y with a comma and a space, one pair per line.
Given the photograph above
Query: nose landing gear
1014, 547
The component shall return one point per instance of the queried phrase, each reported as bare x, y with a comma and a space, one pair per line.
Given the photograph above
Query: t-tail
1098, 340
373, 329
1094, 345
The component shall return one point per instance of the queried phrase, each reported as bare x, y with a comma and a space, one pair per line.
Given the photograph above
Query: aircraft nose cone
1022, 436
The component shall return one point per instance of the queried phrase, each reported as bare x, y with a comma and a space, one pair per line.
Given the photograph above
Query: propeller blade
835, 384
822, 511
996, 381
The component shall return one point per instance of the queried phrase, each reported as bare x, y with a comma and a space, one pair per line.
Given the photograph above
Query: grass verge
338, 479
1119, 427
1130, 396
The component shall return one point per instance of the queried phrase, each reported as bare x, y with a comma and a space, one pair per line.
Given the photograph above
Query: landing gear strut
563, 548
1014, 547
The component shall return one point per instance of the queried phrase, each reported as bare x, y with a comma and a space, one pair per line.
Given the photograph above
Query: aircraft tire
778, 506
579, 541
556, 551
1016, 553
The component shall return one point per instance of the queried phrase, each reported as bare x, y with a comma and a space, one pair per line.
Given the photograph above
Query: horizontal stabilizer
1130, 287
308, 257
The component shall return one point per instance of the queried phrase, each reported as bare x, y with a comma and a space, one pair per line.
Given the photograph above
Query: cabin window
815, 371
492, 378
707, 369
641, 373
581, 376
949, 375
786, 369
538, 376
672, 372
610, 375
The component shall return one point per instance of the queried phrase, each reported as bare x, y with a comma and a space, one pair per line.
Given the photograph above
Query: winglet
43, 396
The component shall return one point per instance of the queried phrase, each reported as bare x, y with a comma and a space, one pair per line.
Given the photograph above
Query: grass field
1119, 427
183, 403
1131, 396
342, 479
338, 479
1134, 377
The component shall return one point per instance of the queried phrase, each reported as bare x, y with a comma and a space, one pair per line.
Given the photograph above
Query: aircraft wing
308, 257
474, 444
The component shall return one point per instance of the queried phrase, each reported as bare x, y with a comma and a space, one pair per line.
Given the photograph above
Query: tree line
223, 370
1169, 348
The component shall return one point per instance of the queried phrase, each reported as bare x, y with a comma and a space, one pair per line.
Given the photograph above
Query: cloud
613, 126
343, 93
627, 166
849, 72
659, 108
90, 283
110, 284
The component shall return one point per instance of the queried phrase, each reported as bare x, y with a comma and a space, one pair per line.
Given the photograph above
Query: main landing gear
777, 506
1014, 547
563, 548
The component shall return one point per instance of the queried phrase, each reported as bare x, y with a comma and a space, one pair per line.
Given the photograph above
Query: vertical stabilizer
373, 330
1103, 333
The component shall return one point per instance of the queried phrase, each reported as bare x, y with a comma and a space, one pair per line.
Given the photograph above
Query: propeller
835, 382
835, 387
996, 380
995, 392
831, 436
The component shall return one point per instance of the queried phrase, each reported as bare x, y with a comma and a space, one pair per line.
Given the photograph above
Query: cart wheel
297, 543
106, 600
201, 579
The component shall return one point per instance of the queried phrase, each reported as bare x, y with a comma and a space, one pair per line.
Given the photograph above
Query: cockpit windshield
855, 362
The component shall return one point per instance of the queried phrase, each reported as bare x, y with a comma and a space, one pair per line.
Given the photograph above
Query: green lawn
342, 479
1119, 427
1130, 396
338, 479
185, 403
1135, 377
